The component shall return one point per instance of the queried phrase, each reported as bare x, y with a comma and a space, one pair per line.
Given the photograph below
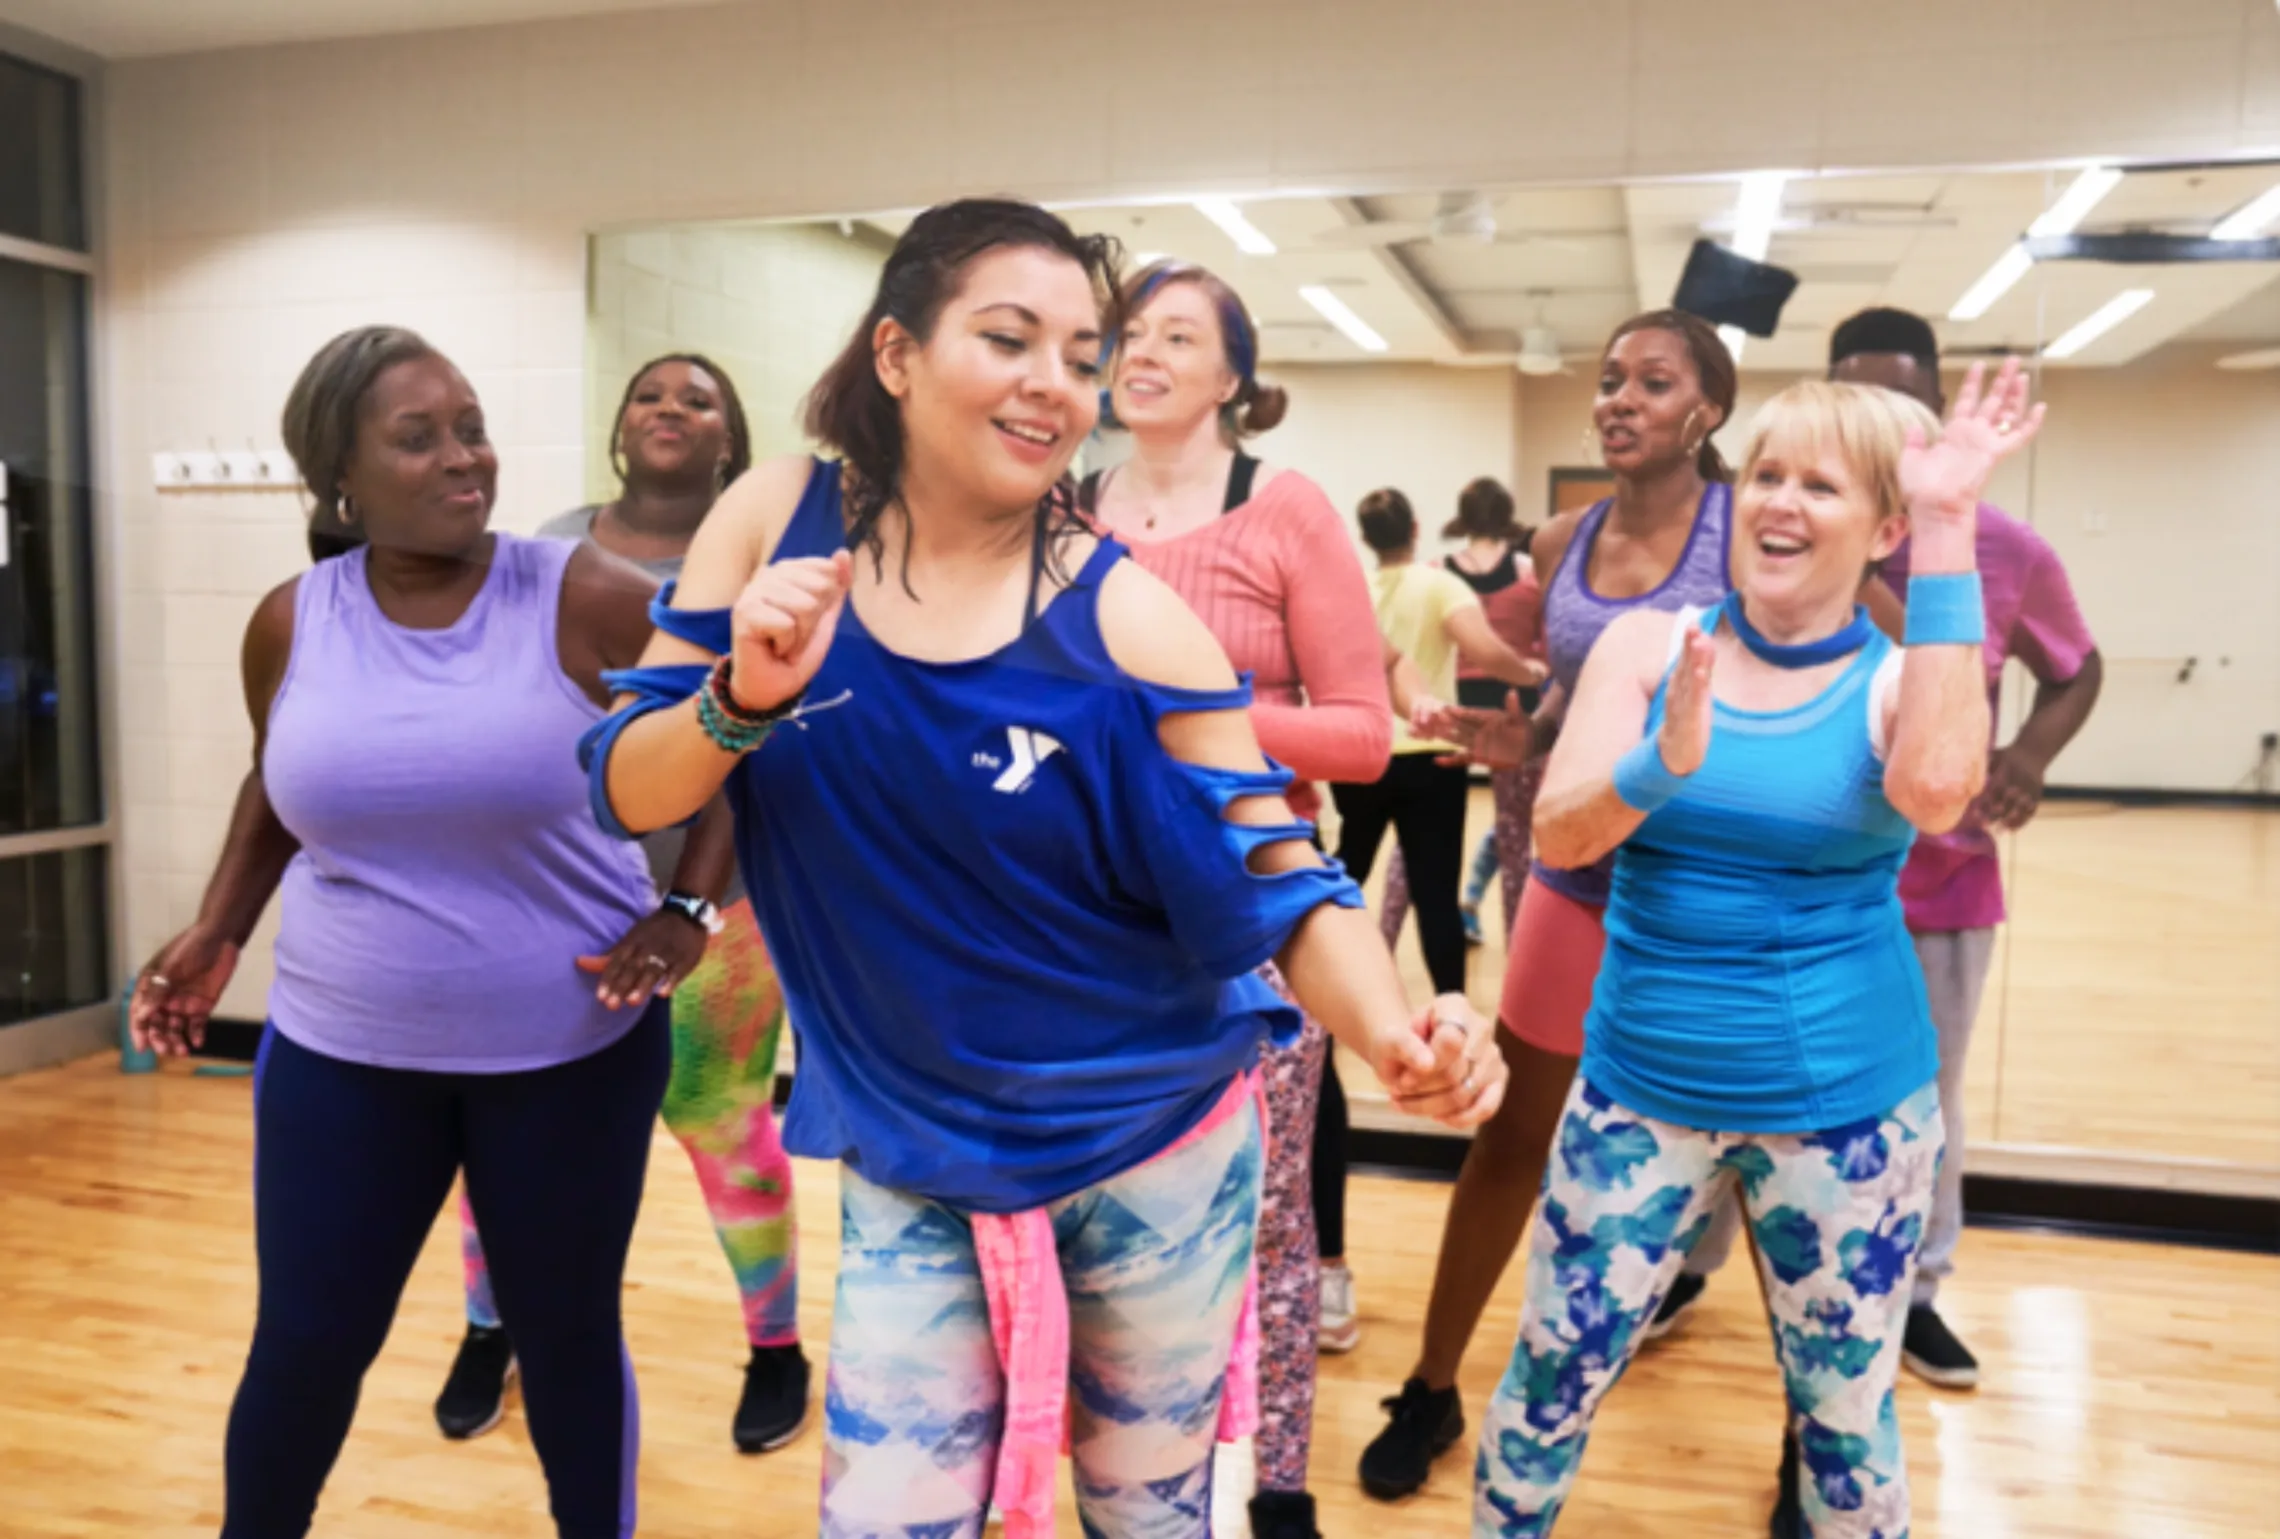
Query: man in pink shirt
1952, 886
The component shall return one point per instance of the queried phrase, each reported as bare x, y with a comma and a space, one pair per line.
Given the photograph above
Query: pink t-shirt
1279, 583
1954, 881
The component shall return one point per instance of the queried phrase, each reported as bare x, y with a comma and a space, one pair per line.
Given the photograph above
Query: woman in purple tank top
448, 903
1666, 384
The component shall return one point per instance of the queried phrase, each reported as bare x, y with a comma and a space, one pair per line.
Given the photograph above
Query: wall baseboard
2161, 1201
2157, 1212
58, 1039
2141, 796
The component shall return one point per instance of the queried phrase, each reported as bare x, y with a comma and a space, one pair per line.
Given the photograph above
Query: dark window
53, 950
50, 776
42, 193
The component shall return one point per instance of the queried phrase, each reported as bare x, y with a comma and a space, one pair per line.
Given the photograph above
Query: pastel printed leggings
1838, 1217
1156, 1260
728, 1017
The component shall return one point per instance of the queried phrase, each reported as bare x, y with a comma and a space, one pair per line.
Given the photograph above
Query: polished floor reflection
2129, 1389
2134, 1006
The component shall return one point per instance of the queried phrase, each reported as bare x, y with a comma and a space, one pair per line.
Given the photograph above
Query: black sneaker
775, 1402
1677, 1304
1283, 1515
1788, 1507
1933, 1354
474, 1398
1426, 1424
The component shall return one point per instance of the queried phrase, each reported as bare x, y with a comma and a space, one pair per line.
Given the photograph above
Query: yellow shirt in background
1414, 602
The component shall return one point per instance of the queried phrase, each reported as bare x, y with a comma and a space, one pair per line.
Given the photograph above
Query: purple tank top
450, 871
1574, 616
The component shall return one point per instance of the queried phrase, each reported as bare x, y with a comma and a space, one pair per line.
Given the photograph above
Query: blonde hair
1867, 424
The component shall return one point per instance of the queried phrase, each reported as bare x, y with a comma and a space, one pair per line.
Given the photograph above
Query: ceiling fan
1458, 218
2260, 358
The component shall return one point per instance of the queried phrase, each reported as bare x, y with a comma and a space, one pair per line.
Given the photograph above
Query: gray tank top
663, 847
1574, 616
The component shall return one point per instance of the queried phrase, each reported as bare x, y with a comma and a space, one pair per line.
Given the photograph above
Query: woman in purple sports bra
1666, 384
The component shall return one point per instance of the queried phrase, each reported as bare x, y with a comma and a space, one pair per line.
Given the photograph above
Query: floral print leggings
1838, 1217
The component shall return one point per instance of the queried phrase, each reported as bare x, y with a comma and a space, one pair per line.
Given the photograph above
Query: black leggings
351, 1165
1329, 1173
1425, 804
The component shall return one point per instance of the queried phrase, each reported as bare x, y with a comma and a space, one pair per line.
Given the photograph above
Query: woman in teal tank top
1759, 770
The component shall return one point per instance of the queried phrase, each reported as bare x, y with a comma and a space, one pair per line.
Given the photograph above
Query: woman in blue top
1760, 770
1017, 857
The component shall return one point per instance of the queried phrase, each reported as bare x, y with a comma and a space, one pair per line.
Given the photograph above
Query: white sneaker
1340, 1330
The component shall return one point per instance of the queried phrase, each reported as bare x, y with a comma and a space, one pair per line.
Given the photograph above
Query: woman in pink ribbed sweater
1264, 558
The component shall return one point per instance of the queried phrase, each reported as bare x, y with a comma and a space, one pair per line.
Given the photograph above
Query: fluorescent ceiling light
2250, 220
1146, 258
1247, 237
1334, 311
1993, 284
1733, 337
2100, 321
1755, 212
2073, 205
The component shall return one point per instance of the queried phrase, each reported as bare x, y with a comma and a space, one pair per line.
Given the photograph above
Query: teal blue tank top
1758, 976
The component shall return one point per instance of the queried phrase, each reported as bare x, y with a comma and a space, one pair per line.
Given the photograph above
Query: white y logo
1030, 748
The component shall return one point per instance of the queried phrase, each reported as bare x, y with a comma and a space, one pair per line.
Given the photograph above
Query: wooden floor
2130, 1390
2134, 1006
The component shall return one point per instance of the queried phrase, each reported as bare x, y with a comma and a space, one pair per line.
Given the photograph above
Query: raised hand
782, 625
1446, 1065
176, 992
1989, 423
1685, 738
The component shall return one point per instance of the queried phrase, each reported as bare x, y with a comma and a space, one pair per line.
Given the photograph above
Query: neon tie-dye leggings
1838, 1217
728, 1017
1156, 1260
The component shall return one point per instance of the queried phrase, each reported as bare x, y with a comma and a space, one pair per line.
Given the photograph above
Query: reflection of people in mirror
1004, 818
1262, 557
1760, 1025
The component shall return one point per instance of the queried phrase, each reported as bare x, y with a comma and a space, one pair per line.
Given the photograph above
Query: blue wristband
1642, 780
1945, 610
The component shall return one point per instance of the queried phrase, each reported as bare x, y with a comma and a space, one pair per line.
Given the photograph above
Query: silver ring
160, 981
658, 962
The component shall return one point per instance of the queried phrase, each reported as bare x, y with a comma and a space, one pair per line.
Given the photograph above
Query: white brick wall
259, 200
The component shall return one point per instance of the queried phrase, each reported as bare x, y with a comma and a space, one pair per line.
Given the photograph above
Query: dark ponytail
849, 410
1714, 373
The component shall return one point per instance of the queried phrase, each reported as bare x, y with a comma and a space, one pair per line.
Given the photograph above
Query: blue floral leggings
1838, 1217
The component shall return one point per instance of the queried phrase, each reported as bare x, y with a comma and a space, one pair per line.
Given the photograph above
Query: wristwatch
702, 912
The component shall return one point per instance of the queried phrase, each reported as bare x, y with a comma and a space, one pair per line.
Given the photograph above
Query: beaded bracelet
733, 727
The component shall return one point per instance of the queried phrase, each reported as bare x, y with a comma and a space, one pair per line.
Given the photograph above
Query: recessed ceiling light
2100, 321
1248, 238
2073, 205
1337, 313
2251, 219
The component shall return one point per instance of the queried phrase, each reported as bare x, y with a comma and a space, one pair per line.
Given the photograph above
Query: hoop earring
345, 509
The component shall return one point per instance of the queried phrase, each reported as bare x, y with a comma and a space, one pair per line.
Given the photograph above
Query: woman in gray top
681, 437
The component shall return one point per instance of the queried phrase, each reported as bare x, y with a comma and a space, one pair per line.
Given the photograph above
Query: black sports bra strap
1239, 478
